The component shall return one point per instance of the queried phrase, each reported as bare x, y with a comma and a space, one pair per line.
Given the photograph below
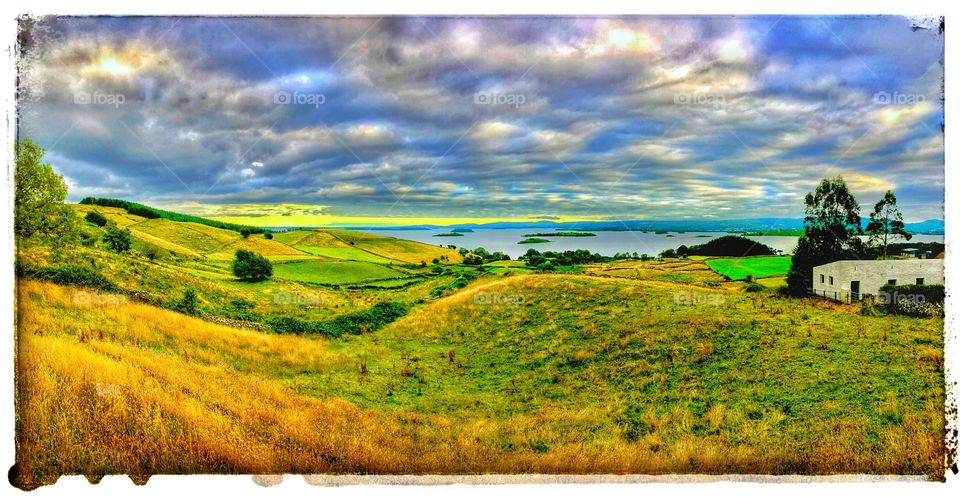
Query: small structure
848, 281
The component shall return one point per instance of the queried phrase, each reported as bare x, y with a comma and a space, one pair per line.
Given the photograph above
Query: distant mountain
928, 227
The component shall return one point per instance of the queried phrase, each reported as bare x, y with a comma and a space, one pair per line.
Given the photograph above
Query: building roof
878, 262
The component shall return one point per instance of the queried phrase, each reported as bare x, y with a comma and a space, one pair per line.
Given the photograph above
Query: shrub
355, 323
119, 240
249, 266
96, 218
753, 287
268, 235
67, 274
188, 303
913, 300
153, 252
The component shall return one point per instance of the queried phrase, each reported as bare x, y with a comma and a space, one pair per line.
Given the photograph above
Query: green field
334, 272
346, 253
738, 268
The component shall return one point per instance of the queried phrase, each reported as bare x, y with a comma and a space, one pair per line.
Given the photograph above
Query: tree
830, 224
94, 217
39, 193
249, 266
187, 304
886, 221
118, 239
268, 235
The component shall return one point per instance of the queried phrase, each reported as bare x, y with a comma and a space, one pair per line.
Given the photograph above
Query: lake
606, 242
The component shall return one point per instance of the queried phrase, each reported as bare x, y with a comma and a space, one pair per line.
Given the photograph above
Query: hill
514, 374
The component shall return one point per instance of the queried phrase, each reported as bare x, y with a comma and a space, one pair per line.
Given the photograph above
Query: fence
841, 295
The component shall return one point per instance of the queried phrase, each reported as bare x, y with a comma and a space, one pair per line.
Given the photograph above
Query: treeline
729, 245
153, 213
550, 260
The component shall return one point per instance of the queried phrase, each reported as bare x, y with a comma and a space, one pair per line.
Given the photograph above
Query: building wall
874, 274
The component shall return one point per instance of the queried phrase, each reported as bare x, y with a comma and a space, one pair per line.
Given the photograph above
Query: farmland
738, 268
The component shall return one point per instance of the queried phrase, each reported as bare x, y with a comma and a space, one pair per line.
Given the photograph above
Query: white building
848, 281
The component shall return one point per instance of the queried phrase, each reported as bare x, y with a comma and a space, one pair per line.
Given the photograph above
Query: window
891, 282
919, 281
831, 281
821, 278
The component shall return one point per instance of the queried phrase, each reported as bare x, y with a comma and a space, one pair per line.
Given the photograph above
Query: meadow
623, 367
739, 268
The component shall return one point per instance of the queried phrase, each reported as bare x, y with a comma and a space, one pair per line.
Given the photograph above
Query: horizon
406, 121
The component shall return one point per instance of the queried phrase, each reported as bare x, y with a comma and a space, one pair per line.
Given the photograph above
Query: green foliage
153, 213
249, 266
372, 319
38, 198
268, 235
831, 223
188, 303
886, 221
118, 239
928, 293
753, 287
67, 274
729, 246
95, 217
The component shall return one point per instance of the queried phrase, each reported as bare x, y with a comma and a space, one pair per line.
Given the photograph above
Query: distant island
453, 233
561, 233
534, 240
461, 230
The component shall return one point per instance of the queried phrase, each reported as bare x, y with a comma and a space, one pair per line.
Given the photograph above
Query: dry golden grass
258, 244
120, 387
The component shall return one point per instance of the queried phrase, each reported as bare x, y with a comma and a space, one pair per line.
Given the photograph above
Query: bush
119, 240
67, 274
374, 318
249, 266
268, 235
96, 218
188, 303
926, 293
153, 252
913, 300
753, 287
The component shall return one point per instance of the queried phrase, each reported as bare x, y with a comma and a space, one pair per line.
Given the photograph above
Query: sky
407, 120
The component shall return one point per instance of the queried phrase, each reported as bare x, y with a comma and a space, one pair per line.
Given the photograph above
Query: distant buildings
848, 281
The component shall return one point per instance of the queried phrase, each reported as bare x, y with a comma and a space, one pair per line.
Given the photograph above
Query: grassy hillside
629, 366
511, 375
395, 248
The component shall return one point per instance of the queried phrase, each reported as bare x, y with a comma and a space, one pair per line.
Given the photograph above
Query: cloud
633, 117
